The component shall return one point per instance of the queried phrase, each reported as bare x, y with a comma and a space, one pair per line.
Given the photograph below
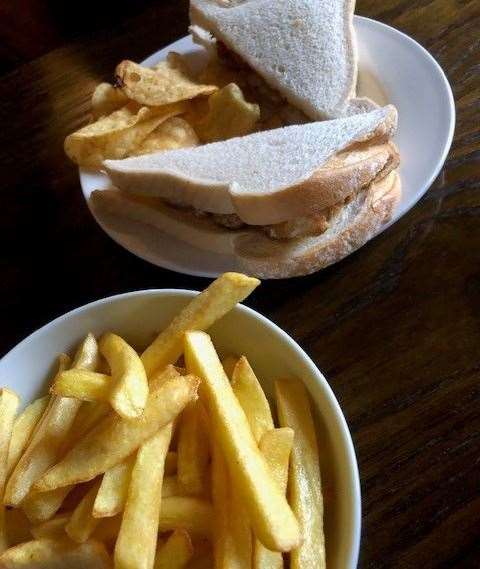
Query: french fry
229, 364
232, 542
82, 524
49, 437
8, 408
176, 552
171, 487
89, 415
137, 539
52, 529
268, 510
129, 390
87, 355
304, 484
23, 428
275, 446
41, 506
194, 515
115, 438
192, 450
112, 494
210, 305
53, 554
171, 463
83, 384
251, 397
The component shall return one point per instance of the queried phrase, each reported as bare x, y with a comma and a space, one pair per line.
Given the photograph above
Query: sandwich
284, 202
303, 51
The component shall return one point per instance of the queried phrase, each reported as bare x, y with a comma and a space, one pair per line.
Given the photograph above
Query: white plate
272, 353
392, 68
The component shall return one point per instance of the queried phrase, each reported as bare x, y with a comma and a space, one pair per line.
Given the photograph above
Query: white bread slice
197, 231
266, 177
305, 49
350, 226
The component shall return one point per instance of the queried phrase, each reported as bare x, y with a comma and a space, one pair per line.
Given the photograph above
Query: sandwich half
271, 198
305, 50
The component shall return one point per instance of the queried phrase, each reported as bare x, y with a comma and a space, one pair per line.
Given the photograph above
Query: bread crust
340, 177
267, 259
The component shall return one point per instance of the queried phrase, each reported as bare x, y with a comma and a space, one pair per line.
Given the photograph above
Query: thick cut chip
116, 135
43, 448
106, 99
251, 397
229, 115
232, 538
82, 384
137, 539
173, 133
268, 510
304, 483
115, 438
194, 515
52, 529
82, 523
193, 450
8, 408
129, 390
176, 552
41, 506
199, 314
163, 85
171, 487
275, 446
23, 428
56, 554
113, 491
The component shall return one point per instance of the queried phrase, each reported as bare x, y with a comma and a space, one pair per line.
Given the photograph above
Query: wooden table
395, 327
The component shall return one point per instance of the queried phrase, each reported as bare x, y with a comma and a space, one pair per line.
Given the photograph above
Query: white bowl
138, 316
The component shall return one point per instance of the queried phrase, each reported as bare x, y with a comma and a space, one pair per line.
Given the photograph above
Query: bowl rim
319, 378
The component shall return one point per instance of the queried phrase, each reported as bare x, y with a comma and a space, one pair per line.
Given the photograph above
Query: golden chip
105, 99
173, 133
228, 115
217, 74
160, 86
116, 135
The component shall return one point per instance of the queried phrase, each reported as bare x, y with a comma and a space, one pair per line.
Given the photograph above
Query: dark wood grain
395, 327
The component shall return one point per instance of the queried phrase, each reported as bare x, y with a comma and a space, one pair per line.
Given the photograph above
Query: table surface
395, 327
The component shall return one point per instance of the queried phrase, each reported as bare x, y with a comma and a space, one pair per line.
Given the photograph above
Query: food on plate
163, 85
233, 535
129, 391
198, 478
176, 552
8, 408
82, 524
118, 134
137, 539
304, 483
304, 50
268, 510
210, 305
115, 438
53, 554
292, 219
44, 446
265, 154
112, 494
